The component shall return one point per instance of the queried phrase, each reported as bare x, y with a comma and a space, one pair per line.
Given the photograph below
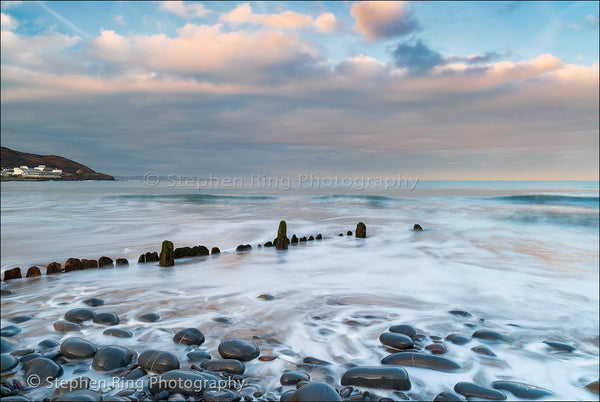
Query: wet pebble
41, 369
316, 391
238, 349
117, 332
293, 377
223, 320
222, 395
458, 339
7, 363
267, 358
266, 297
460, 313
21, 352
8, 344
482, 350
94, 302
6, 292
182, 381
10, 330
106, 319
48, 344
407, 330
493, 336
521, 390
189, 336
314, 360
472, 390
377, 377
594, 387
562, 347
28, 357
286, 396
20, 318
436, 348
198, 355
150, 317
431, 362
65, 326
158, 361
396, 340
230, 366
79, 315
447, 396
109, 358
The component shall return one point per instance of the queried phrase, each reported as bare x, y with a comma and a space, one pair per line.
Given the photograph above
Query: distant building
36, 172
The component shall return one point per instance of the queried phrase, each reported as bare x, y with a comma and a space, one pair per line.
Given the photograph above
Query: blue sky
439, 90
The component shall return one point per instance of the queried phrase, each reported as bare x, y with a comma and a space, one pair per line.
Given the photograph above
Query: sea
521, 257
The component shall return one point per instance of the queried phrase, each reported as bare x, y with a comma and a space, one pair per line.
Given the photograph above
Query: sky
434, 90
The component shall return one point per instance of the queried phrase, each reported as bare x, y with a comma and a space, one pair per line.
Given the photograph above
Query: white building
38, 171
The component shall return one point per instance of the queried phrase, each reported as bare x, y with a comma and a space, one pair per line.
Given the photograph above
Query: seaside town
40, 171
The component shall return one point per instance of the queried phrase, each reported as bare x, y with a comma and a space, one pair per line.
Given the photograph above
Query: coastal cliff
71, 170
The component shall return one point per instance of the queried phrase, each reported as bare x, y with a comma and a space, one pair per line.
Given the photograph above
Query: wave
194, 198
566, 200
370, 200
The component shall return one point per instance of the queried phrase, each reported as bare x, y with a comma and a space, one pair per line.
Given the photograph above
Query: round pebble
117, 332
230, 366
94, 302
158, 361
109, 358
293, 378
238, 349
79, 315
77, 348
396, 340
189, 336
10, 330
150, 317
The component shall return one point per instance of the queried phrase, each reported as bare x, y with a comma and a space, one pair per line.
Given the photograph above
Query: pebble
238, 349
286, 396
436, 348
48, 344
106, 319
460, 313
458, 339
81, 395
377, 377
117, 332
45, 370
7, 363
493, 336
266, 297
293, 377
221, 395
223, 320
22, 352
182, 381
158, 361
230, 366
407, 330
6, 292
108, 358
447, 396
316, 391
94, 302
77, 348
314, 360
396, 340
65, 326
8, 345
198, 355
189, 336
267, 358
431, 362
150, 317
482, 350
20, 318
30, 356
472, 390
521, 390
594, 387
10, 330
563, 347
78, 315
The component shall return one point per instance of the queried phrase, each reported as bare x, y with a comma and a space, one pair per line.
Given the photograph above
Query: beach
519, 259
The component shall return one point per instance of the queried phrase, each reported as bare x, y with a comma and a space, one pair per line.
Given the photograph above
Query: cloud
592, 20
205, 51
119, 20
479, 58
575, 27
184, 10
287, 20
417, 57
7, 4
8, 23
326, 23
383, 19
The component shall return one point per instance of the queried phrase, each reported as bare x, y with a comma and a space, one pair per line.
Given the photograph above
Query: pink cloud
184, 10
383, 19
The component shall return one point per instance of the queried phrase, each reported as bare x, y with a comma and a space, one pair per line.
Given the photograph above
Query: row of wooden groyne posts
168, 254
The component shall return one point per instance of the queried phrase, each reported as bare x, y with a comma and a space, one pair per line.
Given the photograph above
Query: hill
72, 170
